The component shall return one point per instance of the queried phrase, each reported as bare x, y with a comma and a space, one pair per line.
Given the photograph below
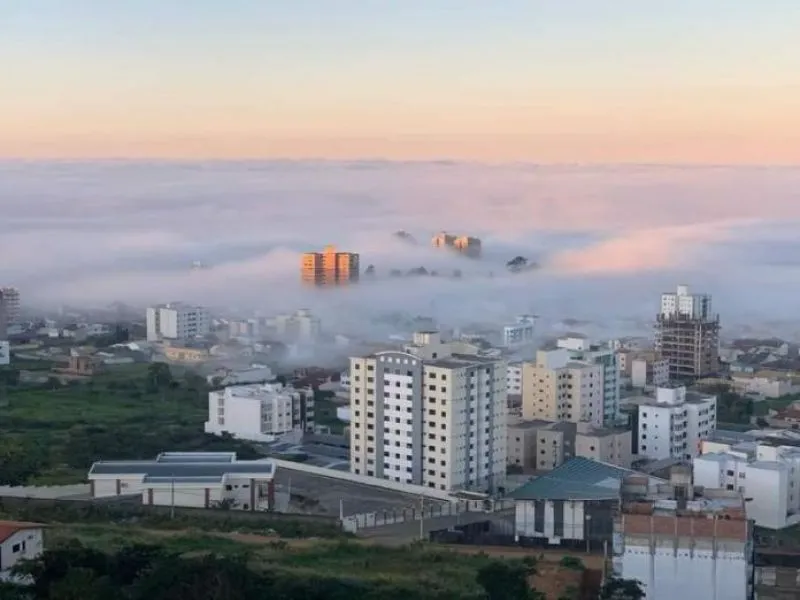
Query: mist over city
606, 241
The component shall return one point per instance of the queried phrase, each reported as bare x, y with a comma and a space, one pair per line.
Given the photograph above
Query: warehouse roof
190, 467
576, 479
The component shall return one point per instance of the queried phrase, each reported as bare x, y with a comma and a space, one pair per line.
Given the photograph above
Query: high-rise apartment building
557, 387
3, 317
430, 417
607, 358
9, 296
687, 334
300, 327
329, 267
177, 321
466, 245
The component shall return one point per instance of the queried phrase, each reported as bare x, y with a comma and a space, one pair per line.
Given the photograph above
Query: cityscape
414, 300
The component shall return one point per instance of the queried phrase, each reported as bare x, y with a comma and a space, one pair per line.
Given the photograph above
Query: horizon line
391, 161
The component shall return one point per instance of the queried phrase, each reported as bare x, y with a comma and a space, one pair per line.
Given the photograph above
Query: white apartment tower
300, 327
177, 321
557, 387
674, 423
687, 334
436, 421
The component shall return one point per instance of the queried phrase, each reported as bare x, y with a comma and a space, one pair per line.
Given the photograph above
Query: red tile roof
9, 528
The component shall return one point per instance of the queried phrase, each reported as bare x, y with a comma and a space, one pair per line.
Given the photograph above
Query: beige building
466, 245
643, 368
558, 388
329, 267
541, 445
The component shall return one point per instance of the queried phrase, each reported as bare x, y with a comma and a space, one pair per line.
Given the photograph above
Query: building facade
177, 321
189, 479
299, 327
433, 418
329, 267
10, 299
259, 412
681, 542
544, 445
687, 335
514, 379
767, 474
673, 422
558, 388
520, 333
19, 541
606, 357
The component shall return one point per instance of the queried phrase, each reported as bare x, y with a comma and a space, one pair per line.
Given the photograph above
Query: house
189, 479
18, 541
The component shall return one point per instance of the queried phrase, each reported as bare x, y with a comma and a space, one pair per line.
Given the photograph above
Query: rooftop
187, 467
9, 528
576, 479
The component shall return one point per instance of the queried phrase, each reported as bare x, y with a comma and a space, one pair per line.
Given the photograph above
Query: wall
33, 546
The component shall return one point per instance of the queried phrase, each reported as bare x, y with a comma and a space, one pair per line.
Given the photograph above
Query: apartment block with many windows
558, 388
438, 422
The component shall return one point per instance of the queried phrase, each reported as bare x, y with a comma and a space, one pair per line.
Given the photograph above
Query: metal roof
196, 457
170, 480
190, 469
576, 479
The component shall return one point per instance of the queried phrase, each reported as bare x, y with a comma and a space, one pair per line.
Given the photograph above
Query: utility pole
421, 518
172, 497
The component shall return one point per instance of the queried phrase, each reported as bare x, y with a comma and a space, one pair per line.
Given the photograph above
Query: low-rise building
573, 505
766, 472
685, 542
765, 384
672, 422
259, 412
253, 374
189, 479
541, 445
18, 541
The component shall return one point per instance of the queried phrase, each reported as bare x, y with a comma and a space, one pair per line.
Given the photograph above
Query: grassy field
438, 567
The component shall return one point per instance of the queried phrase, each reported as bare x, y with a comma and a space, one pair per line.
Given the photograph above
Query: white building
177, 321
674, 422
18, 541
191, 479
683, 542
432, 418
5, 353
686, 305
255, 374
300, 327
259, 412
647, 372
767, 474
520, 333
514, 379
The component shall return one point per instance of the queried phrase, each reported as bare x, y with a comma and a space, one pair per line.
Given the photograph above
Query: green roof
576, 479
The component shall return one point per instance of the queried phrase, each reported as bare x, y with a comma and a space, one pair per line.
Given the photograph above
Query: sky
567, 81
609, 239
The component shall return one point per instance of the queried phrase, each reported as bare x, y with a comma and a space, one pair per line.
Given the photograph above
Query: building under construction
687, 335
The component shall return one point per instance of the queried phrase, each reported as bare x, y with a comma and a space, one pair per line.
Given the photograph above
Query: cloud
610, 239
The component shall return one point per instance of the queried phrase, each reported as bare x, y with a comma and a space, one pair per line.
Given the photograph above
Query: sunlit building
329, 267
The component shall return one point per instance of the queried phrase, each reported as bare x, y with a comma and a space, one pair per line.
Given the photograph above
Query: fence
384, 518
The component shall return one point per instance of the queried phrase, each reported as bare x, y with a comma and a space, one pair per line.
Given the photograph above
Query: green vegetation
571, 562
133, 516
187, 568
735, 409
53, 433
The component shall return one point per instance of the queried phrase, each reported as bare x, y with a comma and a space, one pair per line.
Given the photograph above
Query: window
15, 548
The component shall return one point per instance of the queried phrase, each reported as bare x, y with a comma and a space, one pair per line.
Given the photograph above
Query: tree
507, 581
617, 588
370, 271
158, 376
19, 461
516, 264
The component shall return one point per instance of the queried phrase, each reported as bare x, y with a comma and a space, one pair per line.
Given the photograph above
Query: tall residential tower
329, 267
430, 417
